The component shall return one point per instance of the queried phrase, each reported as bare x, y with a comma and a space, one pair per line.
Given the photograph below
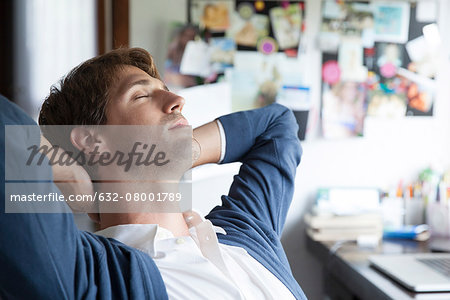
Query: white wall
50, 38
389, 152
149, 25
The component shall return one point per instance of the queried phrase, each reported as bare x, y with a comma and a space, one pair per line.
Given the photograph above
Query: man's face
139, 99
143, 101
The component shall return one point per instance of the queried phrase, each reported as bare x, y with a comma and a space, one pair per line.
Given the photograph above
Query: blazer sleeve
265, 141
45, 256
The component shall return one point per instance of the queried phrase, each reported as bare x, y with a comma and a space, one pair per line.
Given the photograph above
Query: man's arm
254, 211
265, 141
45, 256
207, 142
37, 251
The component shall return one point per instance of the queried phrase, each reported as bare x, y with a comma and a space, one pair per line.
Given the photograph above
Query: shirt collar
145, 236
140, 236
193, 219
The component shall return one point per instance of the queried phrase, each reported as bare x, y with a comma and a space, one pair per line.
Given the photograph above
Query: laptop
421, 272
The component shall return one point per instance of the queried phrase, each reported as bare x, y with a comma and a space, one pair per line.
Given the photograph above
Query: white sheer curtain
51, 37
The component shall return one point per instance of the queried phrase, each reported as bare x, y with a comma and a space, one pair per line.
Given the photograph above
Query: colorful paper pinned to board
343, 110
248, 32
267, 45
391, 21
259, 5
212, 15
287, 25
245, 10
331, 72
388, 70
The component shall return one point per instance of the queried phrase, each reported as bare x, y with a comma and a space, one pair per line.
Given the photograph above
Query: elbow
296, 151
288, 122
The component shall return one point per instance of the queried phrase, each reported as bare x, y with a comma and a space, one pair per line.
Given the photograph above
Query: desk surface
347, 272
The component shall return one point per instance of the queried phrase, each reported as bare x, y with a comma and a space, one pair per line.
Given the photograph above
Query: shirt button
180, 241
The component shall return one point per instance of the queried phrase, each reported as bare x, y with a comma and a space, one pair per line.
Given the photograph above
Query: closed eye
142, 96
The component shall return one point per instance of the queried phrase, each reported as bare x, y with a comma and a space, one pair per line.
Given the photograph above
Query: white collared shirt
198, 266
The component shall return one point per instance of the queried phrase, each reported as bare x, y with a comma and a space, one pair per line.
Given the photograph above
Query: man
234, 254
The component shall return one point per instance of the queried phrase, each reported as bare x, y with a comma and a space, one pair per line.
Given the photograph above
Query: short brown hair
83, 94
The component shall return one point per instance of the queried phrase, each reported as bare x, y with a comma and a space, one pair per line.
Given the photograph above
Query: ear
87, 140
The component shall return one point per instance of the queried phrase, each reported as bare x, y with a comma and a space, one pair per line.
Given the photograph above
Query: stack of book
348, 227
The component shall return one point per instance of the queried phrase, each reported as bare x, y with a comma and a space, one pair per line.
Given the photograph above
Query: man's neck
174, 222
142, 203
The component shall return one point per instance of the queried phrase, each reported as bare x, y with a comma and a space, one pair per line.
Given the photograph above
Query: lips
181, 122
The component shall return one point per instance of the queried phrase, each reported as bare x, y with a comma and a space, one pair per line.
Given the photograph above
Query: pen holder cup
414, 212
438, 219
393, 212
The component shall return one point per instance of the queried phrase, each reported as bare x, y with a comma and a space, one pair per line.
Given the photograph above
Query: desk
348, 275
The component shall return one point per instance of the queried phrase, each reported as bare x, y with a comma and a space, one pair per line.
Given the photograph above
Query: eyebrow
141, 82
137, 82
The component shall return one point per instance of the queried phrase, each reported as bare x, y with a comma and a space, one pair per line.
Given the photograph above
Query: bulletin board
376, 61
252, 25
254, 45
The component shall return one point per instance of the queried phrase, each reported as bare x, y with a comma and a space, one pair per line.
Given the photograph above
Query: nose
173, 103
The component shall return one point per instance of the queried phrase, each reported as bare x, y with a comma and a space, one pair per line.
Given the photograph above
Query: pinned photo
222, 53
391, 21
343, 110
248, 32
257, 78
389, 59
287, 25
387, 105
181, 35
212, 15
420, 93
350, 59
343, 19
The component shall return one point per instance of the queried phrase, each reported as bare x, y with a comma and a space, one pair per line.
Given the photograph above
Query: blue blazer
45, 256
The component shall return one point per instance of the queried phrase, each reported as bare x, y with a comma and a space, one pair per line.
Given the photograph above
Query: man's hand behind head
72, 180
